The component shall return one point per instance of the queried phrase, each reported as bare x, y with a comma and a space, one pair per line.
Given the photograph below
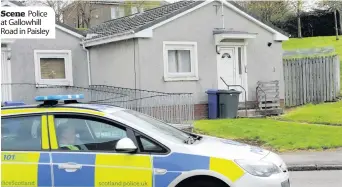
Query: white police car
75, 144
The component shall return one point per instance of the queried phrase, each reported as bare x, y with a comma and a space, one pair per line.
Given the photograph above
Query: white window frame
66, 54
176, 45
134, 10
113, 11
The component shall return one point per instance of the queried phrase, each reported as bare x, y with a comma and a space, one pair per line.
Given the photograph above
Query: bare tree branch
270, 11
57, 5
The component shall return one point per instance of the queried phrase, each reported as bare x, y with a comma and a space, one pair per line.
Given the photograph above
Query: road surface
316, 179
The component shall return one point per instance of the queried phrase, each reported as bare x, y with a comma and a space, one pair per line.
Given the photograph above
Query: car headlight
259, 168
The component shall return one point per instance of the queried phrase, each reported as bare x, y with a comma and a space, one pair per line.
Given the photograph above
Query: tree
333, 6
268, 11
298, 6
84, 12
83, 8
57, 5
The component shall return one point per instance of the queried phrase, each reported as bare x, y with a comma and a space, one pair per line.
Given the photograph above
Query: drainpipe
88, 63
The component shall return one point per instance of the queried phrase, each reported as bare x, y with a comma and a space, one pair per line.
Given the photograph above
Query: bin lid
231, 91
212, 91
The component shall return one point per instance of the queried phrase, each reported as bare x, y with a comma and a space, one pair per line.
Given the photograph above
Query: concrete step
254, 113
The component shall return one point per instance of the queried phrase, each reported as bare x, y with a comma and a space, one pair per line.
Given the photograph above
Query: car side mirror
126, 145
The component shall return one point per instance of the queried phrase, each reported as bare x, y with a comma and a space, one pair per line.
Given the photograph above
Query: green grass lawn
327, 113
299, 131
315, 42
276, 135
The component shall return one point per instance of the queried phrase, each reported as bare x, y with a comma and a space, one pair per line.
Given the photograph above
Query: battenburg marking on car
239, 166
25, 169
98, 168
59, 97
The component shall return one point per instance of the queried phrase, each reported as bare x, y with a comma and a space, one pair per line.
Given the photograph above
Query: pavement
309, 161
316, 179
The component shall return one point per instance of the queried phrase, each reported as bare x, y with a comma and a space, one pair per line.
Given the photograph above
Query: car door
95, 163
161, 177
25, 159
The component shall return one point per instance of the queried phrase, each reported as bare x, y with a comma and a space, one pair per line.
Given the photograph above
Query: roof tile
143, 20
139, 21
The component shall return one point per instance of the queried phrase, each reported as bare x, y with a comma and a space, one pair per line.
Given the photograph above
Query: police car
73, 144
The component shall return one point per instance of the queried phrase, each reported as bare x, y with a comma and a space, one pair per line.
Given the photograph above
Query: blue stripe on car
82, 177
44, 170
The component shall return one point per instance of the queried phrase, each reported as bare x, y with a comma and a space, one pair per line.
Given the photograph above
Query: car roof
97, 107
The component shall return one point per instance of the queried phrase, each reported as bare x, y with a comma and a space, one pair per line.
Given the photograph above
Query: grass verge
327, 114
276, 135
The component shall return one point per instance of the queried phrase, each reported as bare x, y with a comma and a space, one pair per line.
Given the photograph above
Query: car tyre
206, 182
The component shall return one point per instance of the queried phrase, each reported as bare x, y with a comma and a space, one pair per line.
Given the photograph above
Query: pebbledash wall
128, 63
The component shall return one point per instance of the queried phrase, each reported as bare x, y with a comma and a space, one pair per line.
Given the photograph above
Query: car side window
103, 131
21, 133
149, 146
79, 133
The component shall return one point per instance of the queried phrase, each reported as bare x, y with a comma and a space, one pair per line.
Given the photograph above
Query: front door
231, 68
84, 154
5, 76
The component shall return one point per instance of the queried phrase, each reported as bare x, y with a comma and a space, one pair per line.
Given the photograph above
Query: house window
53, 67
117, 12
113, 12
240, 60
134, 10
180, 61
121, 11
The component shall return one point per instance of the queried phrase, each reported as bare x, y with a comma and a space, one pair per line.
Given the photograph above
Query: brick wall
201, 111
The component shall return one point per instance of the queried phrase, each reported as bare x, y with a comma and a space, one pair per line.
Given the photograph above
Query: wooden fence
311, 80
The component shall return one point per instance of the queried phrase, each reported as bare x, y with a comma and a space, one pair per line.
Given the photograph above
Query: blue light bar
59, 97
13, 103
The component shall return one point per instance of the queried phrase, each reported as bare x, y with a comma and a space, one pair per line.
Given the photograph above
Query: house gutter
88, 63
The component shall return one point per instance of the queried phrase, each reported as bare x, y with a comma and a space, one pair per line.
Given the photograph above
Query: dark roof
71, 28
140, 21
18, 3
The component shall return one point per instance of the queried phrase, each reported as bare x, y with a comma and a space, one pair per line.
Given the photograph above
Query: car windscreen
148, 122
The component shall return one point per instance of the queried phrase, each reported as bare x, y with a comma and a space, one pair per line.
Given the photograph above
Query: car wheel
205, 182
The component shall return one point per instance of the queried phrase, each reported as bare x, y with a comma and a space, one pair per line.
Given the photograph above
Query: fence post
285, 69
296, 96
326, 83
305, 81
293, 83
331, 75
338, 71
